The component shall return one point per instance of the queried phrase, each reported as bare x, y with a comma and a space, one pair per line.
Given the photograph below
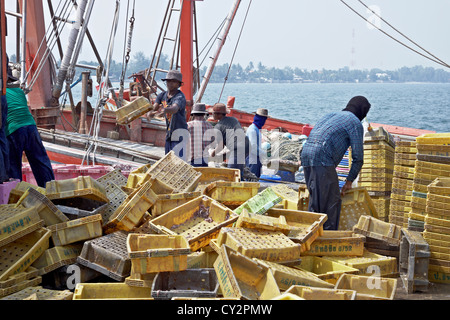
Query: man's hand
347, 186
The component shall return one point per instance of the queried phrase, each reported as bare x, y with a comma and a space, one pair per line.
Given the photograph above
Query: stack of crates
433, 161
437, 230
402, 184
343, 168
376, 175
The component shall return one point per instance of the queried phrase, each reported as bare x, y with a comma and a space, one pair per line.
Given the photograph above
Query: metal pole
84, 94
24, 41
222, 38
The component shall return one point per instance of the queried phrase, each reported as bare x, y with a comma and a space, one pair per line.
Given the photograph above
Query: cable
235, 49
379, 29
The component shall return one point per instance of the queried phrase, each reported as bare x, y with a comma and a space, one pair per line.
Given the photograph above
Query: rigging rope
127, 49
235, 49
438, 61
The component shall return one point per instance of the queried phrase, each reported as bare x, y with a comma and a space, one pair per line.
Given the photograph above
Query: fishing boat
78, 133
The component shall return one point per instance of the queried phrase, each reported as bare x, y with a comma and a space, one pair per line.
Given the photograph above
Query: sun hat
199, 108
220, 108
262, 112
174, 75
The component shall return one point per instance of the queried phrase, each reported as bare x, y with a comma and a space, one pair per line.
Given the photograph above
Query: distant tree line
260, 73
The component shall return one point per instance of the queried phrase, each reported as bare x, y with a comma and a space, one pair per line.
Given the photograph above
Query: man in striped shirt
200, 136
324, 150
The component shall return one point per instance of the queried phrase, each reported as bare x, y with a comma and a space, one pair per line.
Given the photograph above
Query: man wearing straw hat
198, 129
173, 103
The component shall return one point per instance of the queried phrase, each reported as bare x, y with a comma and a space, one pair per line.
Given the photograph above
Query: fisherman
4, 159
173, 102
200, 132
23, 136
324, 150
253, 161
233, 137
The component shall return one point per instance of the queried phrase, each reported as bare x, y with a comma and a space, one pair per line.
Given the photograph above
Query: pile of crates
377, 172
402, 186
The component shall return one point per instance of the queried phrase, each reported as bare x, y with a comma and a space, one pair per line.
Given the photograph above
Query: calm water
420, 106
413, 105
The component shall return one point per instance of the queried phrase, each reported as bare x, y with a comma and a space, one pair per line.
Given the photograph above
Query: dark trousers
198, 163
324, 193
234, 162
179, 147
28, 140
4, 150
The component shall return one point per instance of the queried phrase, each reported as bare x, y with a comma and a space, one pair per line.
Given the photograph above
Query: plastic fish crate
115, 176
157, 253
414, 261
404, 162
176, 173
266, 245
232, 193
260, 203
244, 278
431, 220
130, 213
19, 255
355, 204
434, 150
406, 156
20, 282
84, 187
20, 189
337, 243
201, 283
17, 222
323, 294
107, 255
377, 229
256, 221
167, 202
141, 280
48, 212
198, 220
5, 190
386, 265
325, 269
40, 293
57, 257
305, 226
440, 186
133, 110
210, 175
76, 230
110, 291
436, 275
434, 138
286, 276
366, 288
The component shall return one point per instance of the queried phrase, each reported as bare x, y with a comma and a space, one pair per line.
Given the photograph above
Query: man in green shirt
23, 136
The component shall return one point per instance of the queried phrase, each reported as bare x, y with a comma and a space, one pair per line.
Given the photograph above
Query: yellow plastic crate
176, 173
404, 162
130, 213
167, 202
434, 150
20, 281
404, 169
337, 243
266, 245
43, 206
256, 221
305, 226
40, 293
411, 150
437, 275
23, 252
84, 187
210, 175
244, 278
370, 262
232, 193
131, 111
433, 220
368, 288
403, 175
110, 291
20, 189
198, 220
355, 203
157, 253
77, 230
434, 138
377, 229
56, 257
140, 280
440, 186
325, 269
286, 276
324, 294
17, 222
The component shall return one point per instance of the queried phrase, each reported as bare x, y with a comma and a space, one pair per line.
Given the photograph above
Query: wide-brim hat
174, 75
262, 112
220, 108
199, 108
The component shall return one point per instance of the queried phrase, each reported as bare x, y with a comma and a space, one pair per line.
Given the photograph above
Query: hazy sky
310, 34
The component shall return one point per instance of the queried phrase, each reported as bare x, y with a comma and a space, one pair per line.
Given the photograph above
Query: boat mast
186, 51
222, 38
